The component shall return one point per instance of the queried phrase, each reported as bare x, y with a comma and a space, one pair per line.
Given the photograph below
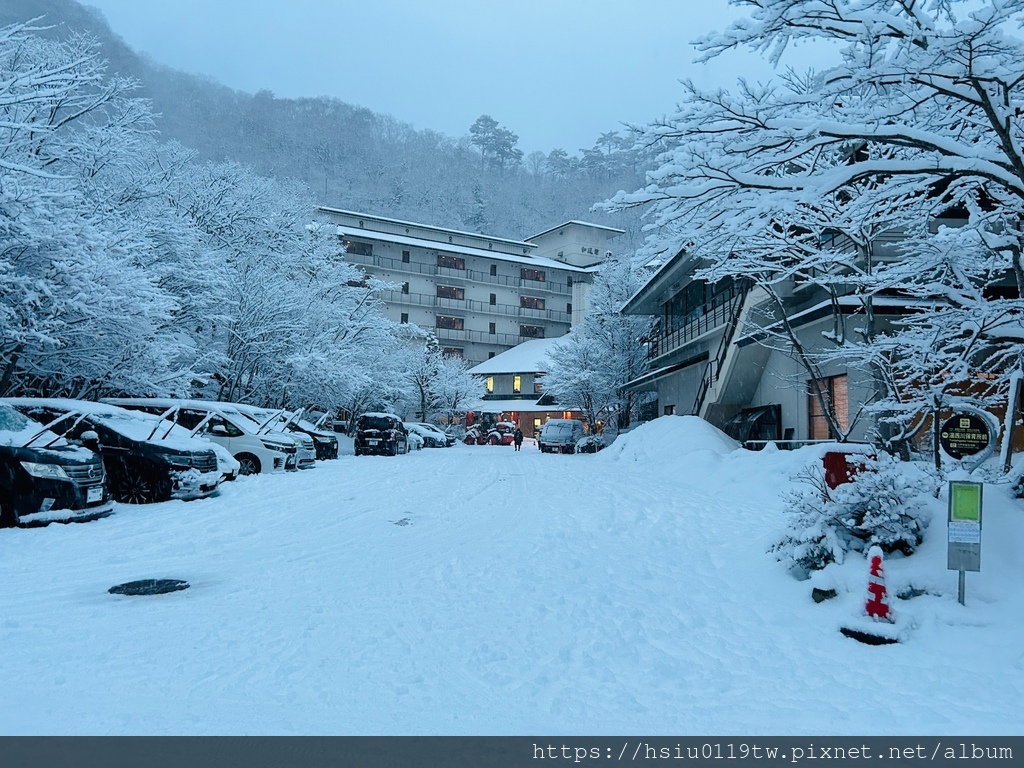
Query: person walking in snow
517, 438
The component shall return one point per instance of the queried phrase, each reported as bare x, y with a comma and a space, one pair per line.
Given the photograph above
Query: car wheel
250, 465
392, 449
8, 514
137, 486
357, 452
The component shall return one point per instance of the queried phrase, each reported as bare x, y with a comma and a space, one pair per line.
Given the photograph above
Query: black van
42, 478
147, 459
381, 433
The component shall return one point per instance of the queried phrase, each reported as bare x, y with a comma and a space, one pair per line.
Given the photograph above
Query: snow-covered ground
476, 590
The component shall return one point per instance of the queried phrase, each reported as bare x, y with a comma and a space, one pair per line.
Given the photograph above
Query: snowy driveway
465, 591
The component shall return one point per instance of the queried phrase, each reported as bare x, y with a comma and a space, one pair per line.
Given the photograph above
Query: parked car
430, 437
225, 425
447, 440
380, 433
591, 444
43, 477
560, 435
326, 442
276, 421
146, 459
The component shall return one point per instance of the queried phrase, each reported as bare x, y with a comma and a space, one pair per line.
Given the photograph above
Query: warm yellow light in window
490, 384
517, 382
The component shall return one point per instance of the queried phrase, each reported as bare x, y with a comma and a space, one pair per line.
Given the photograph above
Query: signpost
964, 530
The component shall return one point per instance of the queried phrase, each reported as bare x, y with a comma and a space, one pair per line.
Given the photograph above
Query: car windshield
11, 420
557, 430
375, 422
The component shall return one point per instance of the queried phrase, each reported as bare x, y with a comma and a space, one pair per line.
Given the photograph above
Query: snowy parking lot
476, 590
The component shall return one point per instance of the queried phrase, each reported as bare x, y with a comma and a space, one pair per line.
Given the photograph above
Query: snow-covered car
590, 444
447, 440
380, 433
429, 436
146, 459
560, 435
224, 424
277, 421
43, 477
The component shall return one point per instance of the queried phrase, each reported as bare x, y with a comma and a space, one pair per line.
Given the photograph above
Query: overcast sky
557, 72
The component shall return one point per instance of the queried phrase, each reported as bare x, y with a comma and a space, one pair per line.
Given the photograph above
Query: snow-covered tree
590, 368
885, 505
81, 310
455, 387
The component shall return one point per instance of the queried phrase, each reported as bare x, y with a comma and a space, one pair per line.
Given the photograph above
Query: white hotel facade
480, 295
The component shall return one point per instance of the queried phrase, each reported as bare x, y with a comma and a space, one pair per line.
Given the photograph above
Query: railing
546, 285
713, 317
504, 339
416, 299
714, 366
544, 314
493, 309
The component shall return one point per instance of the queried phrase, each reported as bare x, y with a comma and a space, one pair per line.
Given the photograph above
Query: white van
560, 435
275, 421
225, 425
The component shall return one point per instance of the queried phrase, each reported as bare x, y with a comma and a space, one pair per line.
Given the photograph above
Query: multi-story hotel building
480, 295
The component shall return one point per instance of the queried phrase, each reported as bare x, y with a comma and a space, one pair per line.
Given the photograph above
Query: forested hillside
353, 158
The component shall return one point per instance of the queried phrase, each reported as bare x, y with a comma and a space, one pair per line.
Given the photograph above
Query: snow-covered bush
883, 506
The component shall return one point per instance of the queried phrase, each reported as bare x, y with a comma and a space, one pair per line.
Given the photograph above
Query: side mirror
90, 440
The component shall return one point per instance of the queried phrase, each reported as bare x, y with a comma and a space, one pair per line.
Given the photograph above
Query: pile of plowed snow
670, 436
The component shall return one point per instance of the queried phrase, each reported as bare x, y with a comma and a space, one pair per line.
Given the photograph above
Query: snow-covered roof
612, 231
528, 357
508, 406
428, 227
534, 261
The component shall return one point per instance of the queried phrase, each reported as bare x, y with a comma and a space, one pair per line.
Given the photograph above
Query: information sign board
964, 434
964, 527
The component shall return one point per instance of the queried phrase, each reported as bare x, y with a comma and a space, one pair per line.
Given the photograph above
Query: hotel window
492, 328
532, 274
405, 288
531, 331
568, 309
494, 299
531, 302
834, 390
356, 248
494, 270
405, 257
490, 384
451, 352
451, 323
490, 355
568, 281
405, 317
517, 384
538, 388
450, 292
450, 262
670, 410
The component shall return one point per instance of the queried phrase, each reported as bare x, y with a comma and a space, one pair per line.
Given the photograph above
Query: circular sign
964, 435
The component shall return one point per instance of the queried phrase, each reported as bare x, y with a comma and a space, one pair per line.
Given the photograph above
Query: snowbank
670, 436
